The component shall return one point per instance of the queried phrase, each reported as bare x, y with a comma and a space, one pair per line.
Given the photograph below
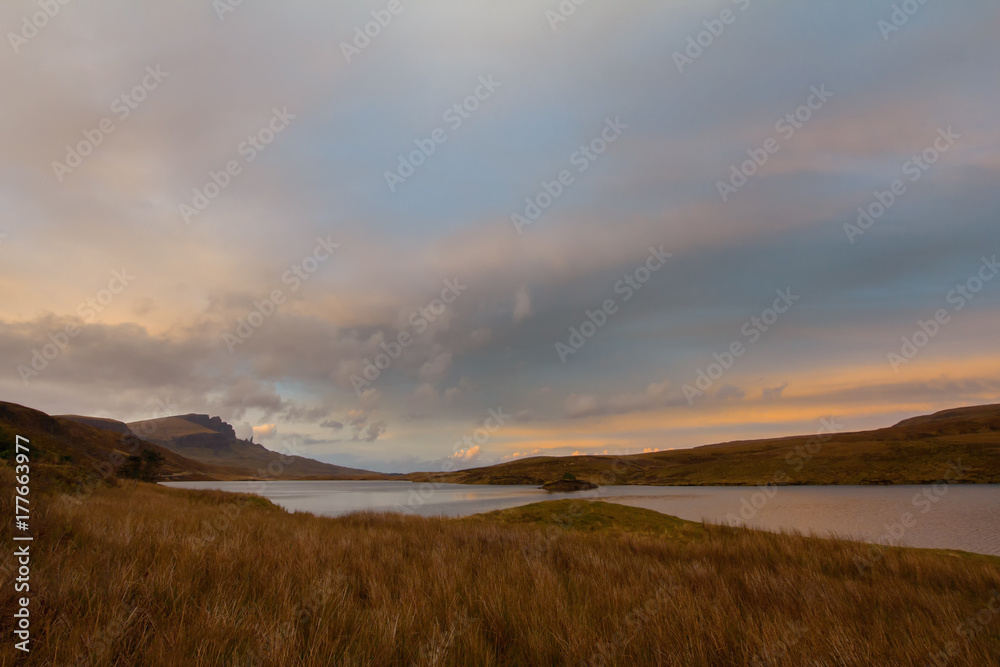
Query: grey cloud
728, 391
655, 396
163, 337
774, 393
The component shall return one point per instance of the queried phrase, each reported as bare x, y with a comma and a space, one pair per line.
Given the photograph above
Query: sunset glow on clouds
378, 327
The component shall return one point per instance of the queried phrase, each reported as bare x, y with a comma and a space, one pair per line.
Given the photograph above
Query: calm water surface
962, 517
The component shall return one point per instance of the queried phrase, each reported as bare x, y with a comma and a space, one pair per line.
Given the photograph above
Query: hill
212, 441
68, 450
194, 448
914, 451
112, 425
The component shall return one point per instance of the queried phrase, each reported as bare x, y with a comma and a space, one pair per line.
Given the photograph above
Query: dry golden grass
145, 575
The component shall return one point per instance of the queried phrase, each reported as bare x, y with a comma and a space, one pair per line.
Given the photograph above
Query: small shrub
145, 467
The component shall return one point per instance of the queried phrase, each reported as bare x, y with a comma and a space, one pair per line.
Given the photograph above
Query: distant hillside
915, 451
195, 448
979, 419
212, 441
112, 425
69, 449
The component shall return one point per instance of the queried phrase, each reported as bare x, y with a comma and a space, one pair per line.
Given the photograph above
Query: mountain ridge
70, 452
76, 447
917, 450
213, 441
914, 451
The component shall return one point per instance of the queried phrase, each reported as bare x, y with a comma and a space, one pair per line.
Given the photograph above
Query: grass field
137, 574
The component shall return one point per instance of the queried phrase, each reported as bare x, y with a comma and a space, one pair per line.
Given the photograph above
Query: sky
408, 235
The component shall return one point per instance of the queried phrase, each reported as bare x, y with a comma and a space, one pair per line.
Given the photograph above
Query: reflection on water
334, 498
965, 517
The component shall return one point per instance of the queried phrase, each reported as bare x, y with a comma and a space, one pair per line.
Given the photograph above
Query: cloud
774, 393
295, 411
467, 454
728, 391
265, 431
522, 304
464, 386
581, 405
162, 337
656, 395
361, 427
244, 430
436, 370
516, 455
479, 337
244, 393
372, 432
424, 401
357, 418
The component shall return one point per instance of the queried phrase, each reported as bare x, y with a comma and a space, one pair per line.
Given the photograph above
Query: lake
965, 517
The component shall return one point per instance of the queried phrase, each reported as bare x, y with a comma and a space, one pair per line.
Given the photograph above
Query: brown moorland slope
194, 448
69, 452
212, 441
98, 422
915, 451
